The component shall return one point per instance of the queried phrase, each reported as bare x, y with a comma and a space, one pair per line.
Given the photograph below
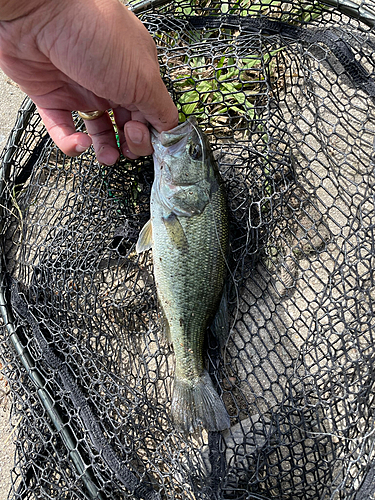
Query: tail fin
196, 403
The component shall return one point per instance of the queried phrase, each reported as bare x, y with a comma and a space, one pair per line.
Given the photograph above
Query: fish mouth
175, 135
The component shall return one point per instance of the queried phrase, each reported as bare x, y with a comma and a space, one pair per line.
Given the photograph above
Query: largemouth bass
188, 234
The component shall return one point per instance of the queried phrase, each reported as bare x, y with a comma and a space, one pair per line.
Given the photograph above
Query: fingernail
80, 148
83, 143
128, 154
135, 135
107, 156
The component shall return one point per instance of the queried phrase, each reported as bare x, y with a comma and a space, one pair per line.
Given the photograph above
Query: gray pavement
11, 98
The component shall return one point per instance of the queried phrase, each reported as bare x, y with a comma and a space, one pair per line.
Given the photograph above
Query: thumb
158, 108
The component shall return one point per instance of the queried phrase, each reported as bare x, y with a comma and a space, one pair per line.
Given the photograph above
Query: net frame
25, 358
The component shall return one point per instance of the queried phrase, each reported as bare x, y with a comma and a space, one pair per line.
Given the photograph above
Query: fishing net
285, 93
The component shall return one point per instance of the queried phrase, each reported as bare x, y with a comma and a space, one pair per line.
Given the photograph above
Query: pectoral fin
175, 231
145, 238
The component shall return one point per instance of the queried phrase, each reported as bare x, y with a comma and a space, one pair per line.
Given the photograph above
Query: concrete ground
11, 98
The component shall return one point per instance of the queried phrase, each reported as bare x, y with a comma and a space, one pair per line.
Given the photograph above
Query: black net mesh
285, 93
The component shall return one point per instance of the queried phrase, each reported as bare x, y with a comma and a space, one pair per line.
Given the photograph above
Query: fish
188, 235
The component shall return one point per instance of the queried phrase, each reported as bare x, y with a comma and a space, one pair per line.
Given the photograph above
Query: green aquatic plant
228, 87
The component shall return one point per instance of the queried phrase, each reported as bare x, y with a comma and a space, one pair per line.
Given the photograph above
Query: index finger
60, 126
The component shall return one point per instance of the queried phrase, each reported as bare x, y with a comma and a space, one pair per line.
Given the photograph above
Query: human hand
87, 55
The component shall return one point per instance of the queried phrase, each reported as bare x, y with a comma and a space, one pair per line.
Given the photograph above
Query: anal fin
220, 324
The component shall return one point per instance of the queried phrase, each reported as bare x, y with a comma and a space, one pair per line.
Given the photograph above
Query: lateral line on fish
233, 280
224, 257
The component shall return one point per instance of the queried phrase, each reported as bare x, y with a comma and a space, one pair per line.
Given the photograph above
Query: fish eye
195, 151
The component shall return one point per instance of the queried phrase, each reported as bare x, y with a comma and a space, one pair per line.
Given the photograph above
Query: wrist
14, 9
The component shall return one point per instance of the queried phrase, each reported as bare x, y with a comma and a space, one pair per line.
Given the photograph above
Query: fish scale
188, 233
188, 285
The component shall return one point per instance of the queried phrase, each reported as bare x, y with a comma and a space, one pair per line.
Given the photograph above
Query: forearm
13, 9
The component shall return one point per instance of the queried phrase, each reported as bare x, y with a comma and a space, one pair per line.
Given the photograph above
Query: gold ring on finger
90, 115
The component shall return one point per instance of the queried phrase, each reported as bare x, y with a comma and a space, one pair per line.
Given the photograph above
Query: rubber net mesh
285, 93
